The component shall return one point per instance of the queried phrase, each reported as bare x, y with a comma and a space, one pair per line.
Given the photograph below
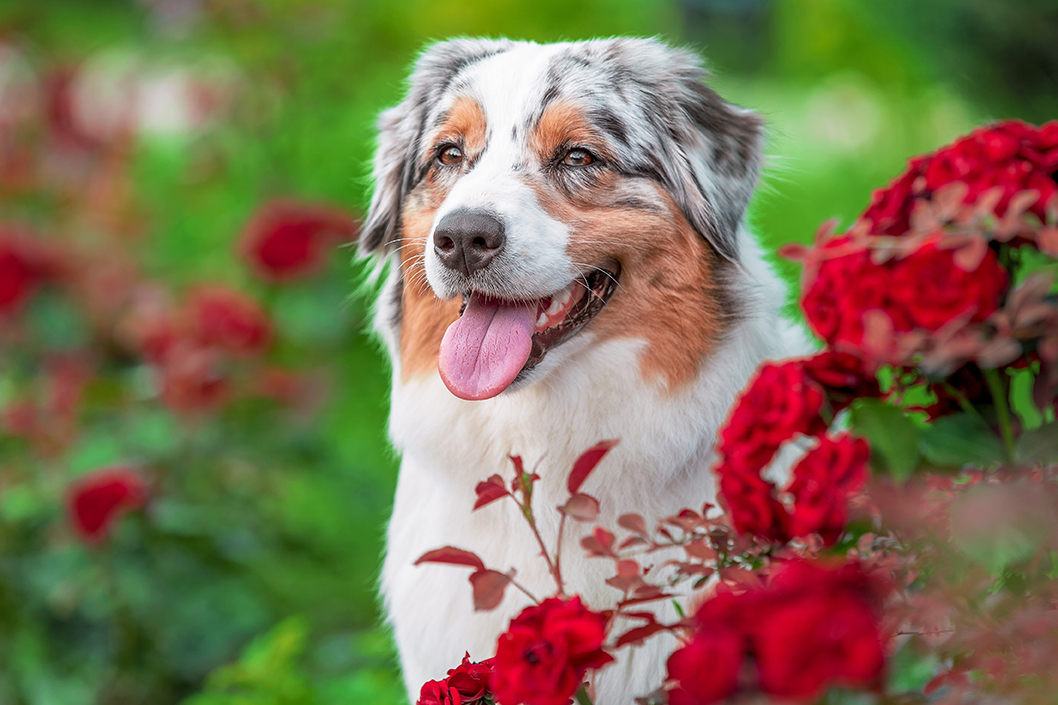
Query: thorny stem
999, 396
582, 696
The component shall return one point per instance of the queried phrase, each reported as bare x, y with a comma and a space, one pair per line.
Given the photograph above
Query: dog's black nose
467, 240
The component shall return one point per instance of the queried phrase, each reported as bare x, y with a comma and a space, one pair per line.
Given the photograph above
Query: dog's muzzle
466, 241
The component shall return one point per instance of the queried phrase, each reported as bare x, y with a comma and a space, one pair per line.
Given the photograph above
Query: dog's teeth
542, 321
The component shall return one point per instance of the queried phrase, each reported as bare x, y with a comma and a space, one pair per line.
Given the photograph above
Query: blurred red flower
97, 501
466, 683
813, 625
750, 501
225, 318
193, 379
844, 377
820, 628
707, 669
542, 657
24, 265
286, 239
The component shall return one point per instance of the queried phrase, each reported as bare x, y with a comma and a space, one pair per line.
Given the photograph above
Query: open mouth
495, 342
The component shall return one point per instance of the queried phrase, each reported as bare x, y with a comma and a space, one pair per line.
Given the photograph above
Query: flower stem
582, 696
999, 396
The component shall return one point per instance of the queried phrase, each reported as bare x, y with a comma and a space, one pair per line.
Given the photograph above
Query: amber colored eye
451, 155
578, 157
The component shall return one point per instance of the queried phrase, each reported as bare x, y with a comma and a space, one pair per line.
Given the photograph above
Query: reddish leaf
628, 576
631, 541
587, 462
488, 589
489, 491
701, 550
634, 523
452, 556
644, 600
581, 507
519, 469
600, 543
639, 634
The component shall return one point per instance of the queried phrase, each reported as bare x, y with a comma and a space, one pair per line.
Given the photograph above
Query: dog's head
551, 195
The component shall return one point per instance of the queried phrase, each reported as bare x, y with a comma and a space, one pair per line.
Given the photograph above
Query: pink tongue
483, 351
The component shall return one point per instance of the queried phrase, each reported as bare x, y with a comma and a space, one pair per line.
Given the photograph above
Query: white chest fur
448, 445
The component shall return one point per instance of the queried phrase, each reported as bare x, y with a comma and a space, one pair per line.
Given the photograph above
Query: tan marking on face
424, 317
465, 124
668, 295
563, 123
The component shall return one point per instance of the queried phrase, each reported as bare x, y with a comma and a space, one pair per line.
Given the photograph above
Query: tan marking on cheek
424, 317
669, 294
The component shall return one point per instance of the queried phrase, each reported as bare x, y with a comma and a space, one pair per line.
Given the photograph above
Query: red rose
823, 481
470, 679
438, 693
780, 402
821, 628
1011, 155
927, 290
814, 640
286, 239
542, 657
841, 284
96, 501
706, 670
843, 376
225, 318
750, 502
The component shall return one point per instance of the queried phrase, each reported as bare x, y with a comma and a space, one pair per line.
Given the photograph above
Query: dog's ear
706, 151
396, 168
722, 148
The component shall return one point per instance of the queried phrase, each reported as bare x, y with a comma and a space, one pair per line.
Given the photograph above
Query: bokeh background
194, 476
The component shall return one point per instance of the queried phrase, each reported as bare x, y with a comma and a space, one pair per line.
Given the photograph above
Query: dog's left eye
578, 157
450, 155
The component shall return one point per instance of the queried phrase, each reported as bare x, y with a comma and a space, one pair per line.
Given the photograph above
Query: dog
560, 231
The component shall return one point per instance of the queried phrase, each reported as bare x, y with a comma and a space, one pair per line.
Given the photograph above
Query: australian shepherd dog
561, 231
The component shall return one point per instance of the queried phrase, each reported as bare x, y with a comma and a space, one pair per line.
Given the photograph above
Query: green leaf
1040, 445
960, 439
893, 436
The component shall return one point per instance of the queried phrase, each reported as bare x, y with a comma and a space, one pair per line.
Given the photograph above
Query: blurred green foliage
250, 579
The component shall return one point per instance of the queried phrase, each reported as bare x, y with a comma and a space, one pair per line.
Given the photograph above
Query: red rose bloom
927, 290
706, 670
542, 657
841, 284
823, 481
750, 502
1011, 155
780, 402
467, 683
96, 501
821, 628
227, 319
286, 239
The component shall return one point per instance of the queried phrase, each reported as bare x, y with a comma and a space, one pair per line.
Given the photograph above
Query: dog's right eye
450, 155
